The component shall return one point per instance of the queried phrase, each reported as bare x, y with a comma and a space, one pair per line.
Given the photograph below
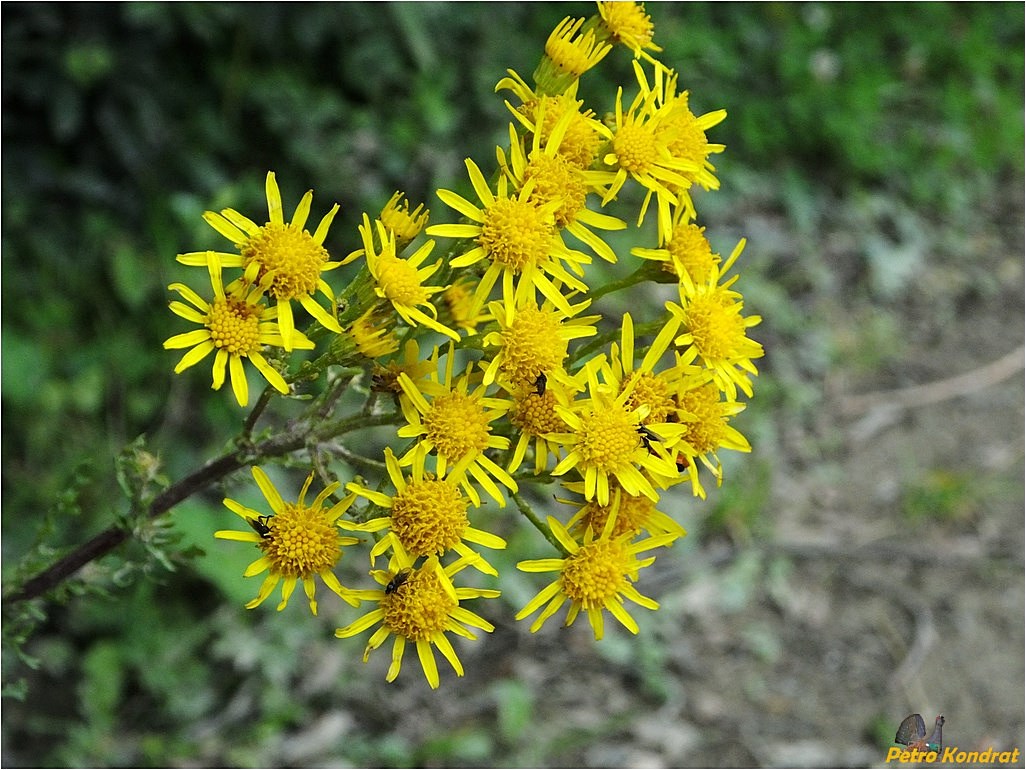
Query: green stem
532, 517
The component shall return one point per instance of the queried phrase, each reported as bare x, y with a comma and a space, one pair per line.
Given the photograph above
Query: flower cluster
482, 355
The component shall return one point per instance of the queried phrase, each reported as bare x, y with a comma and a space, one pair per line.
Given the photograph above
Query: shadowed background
863, 563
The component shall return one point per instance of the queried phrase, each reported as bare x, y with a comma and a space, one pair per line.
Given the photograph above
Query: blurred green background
875, 162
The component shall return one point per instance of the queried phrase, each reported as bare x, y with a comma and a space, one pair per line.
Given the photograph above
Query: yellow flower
705, 419
427, 515
534, 416
237, 325
298, 541
634, 514
539, 113
398, 219
629, 25
715, 330
568, 56
286, 254
639, 150
596, 574
459, 298
373, 335
683, 134
532, 341
419, 605
400, 281
605, 442
456, 426
519, 238
557, 179
687, 251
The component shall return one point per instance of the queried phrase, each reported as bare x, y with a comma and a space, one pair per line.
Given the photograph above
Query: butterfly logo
912, 733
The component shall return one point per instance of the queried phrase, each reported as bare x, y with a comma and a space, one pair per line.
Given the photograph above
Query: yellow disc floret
536, 414
716, 324
457, 424
706, 433
301, 541
290, 255
608, 439
429, 516
596, 573
690, 251
516, 233
234, 325
654, 393
421, 609
635, 148
532, 344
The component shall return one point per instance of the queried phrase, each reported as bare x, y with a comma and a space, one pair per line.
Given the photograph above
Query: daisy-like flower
627, 24
419, 605
298, 541
539, 113
633, 514
459, 298
398, 219
289, 255
386, 378
687, 251
556, 178
532, 341
647, 388
373, 334
534, 416
706, 429
456, 425
568, 55
597, 574
605, 442
237, 325
427, 516
517, 236
683, 134
716, 332
639, 150
400, 281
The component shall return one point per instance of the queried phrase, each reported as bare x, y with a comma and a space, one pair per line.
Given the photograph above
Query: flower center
429, 516
532, 345
628, 22
654, 393
301, 542
635, 148
516, 233
691, 250
608, 438
716, 324
556, 179
420, 609
596, 573
457, 425
400, 282
536, 415
234, 326
632, 516
687, 139
706, 433
290, 255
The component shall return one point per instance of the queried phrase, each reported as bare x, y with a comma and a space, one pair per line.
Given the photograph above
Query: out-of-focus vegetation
123, 123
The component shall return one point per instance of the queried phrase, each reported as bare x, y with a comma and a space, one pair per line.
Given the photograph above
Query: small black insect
540, 382
260, 525
648, 436
398, 581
